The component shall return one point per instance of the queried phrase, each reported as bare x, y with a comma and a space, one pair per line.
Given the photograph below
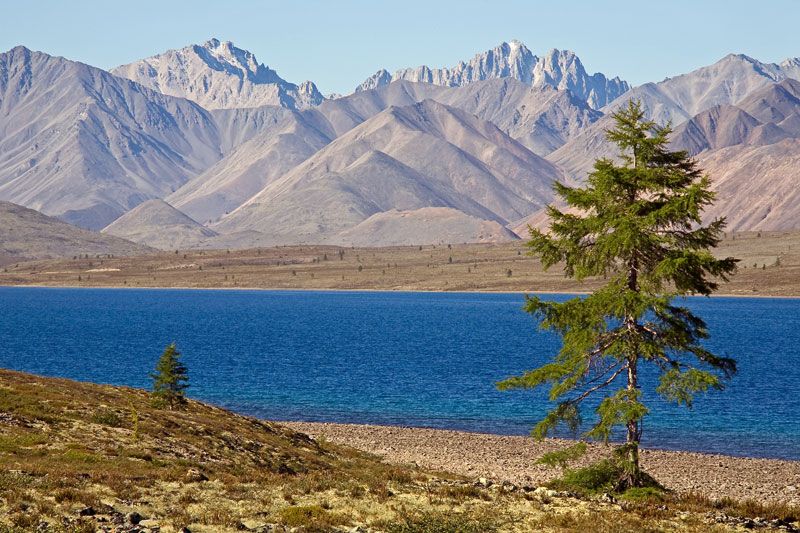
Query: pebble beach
513, 458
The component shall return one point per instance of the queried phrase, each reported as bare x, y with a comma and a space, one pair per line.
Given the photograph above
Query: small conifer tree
170, 379
636, 224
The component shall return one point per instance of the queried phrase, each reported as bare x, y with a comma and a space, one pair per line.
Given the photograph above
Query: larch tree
637, 225
170, 379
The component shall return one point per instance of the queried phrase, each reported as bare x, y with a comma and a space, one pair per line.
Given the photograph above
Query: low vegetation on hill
84, 457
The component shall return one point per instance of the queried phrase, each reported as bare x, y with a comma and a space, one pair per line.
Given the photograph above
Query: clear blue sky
339, 43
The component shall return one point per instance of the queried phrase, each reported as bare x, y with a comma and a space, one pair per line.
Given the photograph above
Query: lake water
420, 359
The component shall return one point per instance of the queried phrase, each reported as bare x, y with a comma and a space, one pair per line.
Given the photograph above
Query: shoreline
513, 458
334, 290
558, 440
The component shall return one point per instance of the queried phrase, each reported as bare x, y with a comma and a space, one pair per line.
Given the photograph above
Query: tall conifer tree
171, 379
636, 224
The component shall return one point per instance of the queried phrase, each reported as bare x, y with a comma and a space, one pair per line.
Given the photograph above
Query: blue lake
420, 359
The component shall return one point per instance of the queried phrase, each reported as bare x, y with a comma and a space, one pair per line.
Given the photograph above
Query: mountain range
206, 147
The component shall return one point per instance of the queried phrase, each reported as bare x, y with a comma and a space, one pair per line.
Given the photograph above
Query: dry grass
770, 265
66, 447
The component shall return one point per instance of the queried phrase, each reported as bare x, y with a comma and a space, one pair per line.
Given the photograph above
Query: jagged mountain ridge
218, 75
560, 69
727, 81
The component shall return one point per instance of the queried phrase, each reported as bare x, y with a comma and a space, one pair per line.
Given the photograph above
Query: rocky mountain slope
727, 81
218, 75
439, 225
289, 139
86, 146
406, 158
27, 234
752, 152
156, 223
677, 100
539, 118
560, 69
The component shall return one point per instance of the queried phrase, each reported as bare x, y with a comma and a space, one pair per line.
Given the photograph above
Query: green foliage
639, 494
170, 380
562, 458
606, 475
601, 476
636, 224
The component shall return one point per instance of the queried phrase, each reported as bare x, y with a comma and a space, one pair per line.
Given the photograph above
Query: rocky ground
81, 457
514, 458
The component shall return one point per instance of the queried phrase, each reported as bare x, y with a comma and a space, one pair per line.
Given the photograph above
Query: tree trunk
634, 431
633, 472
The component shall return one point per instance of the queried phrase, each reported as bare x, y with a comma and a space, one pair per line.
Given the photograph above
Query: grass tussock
444, 522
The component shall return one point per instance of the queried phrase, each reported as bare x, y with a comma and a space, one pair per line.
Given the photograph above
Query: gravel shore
512, 458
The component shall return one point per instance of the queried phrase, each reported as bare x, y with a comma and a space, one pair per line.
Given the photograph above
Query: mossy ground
69, 449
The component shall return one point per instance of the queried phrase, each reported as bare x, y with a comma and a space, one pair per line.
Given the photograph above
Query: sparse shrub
26, 407
134, 420
25, 521
312, 517
218, 515
606, 475
380, 490
106, 417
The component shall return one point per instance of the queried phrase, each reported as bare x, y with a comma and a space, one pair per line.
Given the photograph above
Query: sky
337, 44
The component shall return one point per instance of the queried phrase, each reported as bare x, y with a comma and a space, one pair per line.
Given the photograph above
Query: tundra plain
769, 266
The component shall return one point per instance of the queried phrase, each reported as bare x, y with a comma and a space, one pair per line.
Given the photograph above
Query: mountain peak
558, 68
379, 79
218, 75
